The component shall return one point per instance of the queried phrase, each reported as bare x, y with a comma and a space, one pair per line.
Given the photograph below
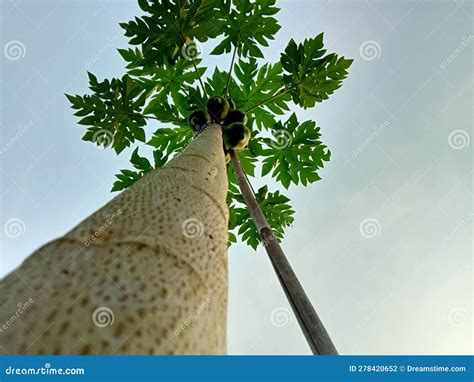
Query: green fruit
235, 116
236, 136
198, 120
218, 107
231, 103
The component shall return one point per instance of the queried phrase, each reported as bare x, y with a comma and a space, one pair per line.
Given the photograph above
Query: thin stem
278, 94
180, 86
150, 117
316, 335
199, 77
230, 72
195, 67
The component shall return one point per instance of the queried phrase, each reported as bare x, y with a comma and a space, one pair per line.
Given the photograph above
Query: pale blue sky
400, 131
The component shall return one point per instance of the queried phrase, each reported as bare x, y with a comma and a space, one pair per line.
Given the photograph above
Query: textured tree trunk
145, 274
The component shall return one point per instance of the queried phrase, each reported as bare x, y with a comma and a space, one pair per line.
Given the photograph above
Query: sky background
382, 244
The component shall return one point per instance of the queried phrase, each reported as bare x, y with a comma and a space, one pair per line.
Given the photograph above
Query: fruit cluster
233, 121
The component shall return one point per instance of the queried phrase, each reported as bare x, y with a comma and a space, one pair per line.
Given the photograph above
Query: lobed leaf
311, 76
295, 154
171, 140
258, 85
112, 111
170, 24
248, 26
127, 177
275, 207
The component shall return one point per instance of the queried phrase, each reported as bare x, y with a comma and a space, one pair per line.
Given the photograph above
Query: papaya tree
147, 273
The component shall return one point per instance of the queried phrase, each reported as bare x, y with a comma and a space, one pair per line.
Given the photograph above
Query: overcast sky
382, 245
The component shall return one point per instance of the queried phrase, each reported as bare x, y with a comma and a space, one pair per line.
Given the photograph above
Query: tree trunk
145, 274
313, 329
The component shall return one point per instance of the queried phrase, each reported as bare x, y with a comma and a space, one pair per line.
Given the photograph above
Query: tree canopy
165, 81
